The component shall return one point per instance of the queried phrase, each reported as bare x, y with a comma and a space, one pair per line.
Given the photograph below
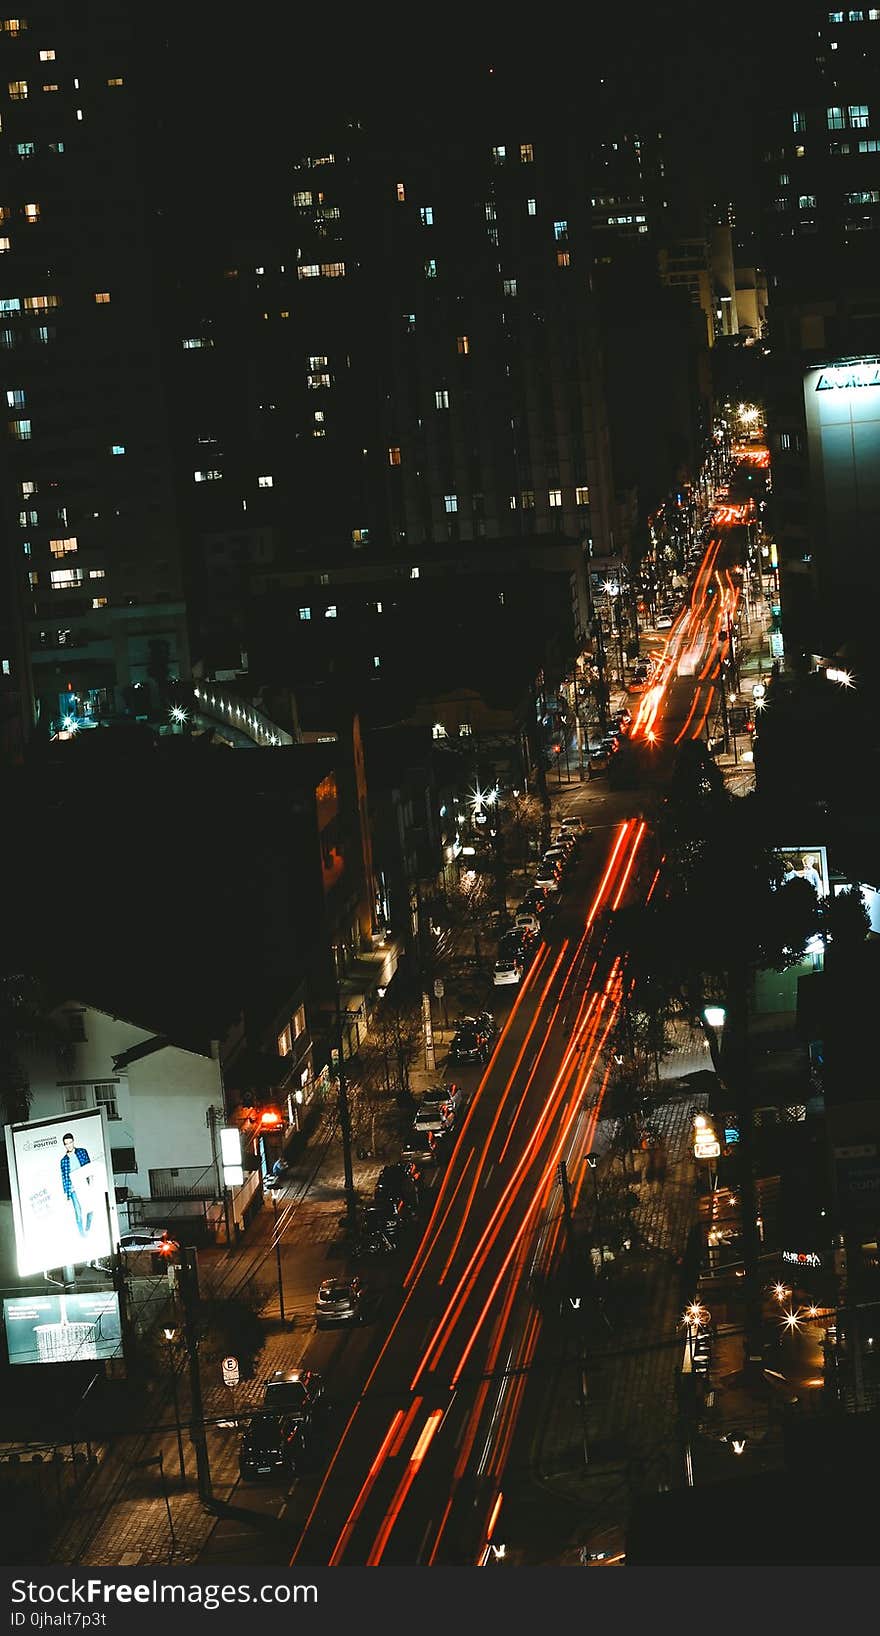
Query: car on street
664, 622
396, 1184
560, 855
471, 1042
439, 1107
156, 1239
341, 1301
574, 823
278, 1174
294, 1393
566, 839
547, 877
534, 902
599, 761
528, 922
271, 1446
426, 1146
508, 969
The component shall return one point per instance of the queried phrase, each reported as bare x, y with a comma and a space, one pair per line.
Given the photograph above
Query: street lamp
171, 1338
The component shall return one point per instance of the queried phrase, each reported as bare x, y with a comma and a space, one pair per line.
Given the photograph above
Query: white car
439, 1108
576, 825
156, 1239
527, 923
664, 622
546, 879
507, 969
558, 854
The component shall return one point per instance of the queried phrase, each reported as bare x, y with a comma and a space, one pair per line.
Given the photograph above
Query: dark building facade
88, 524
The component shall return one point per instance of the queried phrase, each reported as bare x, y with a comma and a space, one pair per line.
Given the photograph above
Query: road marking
488, 1174
281, 1509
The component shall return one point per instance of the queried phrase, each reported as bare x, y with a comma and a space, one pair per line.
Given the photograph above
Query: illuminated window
427, 216
28, 519
18, 90
869, 144
333, 269
5, 244
63, 548
13, 25
102, 297
305, 613
401, 193
527, 499
308, 270
114, 82
47, 56
206, 476
50, 88
117, 448
330, 613
836, 121
41, 303
97, 573
463, 345
532, 206
414, 573
526, 153
316, 381
450, 501
499, 155
555, 497
25, 150
394, 456
31, 212
265, 482
560, 230
806, 201
441, 398
513, 502
509, 286
798, 122
858, 114
582, 496
302, 199
33, 581
285, 1043
65, 579
20, 429
360, 536
431, 268
563, 258
99, 602
27, 489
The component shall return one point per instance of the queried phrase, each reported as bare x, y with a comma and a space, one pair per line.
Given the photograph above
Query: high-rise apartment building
88, 523
406, 368
821, 212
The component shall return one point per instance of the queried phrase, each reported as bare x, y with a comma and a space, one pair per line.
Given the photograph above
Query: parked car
278, 1174
527, 922
547, 877
396, 1183
341, 1301
471, 1043
567, 839
439, 1107
295, 1393
508, 968
664, 622
534, 902
560, 855
573, 823
272, 1446
379, 1232
599, 761
156, 1239
426, 1146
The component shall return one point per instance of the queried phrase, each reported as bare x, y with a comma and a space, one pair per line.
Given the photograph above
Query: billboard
842, 404
63, 1328
809, 863
63, 1203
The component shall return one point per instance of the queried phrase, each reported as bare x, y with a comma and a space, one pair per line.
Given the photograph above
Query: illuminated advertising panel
809, 863
63, 1328
842, 403
63, 1203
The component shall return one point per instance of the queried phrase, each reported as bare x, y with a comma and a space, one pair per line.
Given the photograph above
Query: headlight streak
409, 1476
566, 1073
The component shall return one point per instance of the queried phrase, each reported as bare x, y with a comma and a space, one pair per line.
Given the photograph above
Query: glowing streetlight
780, 1291
715, 1015
178, 715
791, 1321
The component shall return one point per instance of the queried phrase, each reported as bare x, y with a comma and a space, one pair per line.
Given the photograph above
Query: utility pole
189, 1293
345, 1122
